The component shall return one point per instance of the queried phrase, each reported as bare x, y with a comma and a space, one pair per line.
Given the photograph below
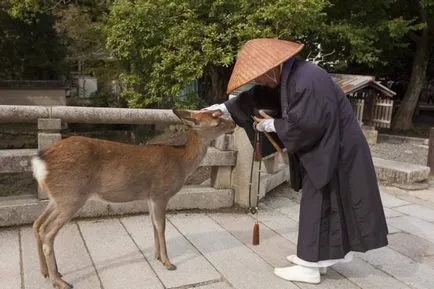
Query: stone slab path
214, 251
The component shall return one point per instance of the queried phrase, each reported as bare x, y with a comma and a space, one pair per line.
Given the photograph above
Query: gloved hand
266, 125
221, 107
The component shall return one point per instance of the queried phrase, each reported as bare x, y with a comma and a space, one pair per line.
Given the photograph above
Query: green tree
81, 32
77, 25
30, 47
422, 11
393, 37
362, 32
165, 45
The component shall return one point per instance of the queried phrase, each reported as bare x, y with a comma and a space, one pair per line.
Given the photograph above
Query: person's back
349, 127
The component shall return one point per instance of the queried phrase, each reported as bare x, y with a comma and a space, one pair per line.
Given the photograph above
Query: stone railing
30, 114
229, 156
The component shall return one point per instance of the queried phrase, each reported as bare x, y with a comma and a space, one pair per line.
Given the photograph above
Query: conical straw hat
258, 56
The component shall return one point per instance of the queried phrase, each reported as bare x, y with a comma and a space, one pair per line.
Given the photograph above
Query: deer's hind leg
36, 226
60, 215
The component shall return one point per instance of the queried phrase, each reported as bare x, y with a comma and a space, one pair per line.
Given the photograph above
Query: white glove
266, 125
221, 107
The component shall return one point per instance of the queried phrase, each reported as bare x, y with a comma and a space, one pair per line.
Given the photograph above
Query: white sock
293, 259
299, 274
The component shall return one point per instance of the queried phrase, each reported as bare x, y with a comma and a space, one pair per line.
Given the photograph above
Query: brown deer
78, 168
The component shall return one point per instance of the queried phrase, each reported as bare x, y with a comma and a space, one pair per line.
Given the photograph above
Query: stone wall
18, 136
46, 97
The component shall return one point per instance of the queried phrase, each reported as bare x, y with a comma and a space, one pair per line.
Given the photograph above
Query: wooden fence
371, 109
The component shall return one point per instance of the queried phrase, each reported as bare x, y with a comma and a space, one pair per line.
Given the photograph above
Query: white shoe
293, 259
323, 270
299, 273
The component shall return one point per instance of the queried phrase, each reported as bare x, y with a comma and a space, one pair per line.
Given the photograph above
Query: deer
77, 168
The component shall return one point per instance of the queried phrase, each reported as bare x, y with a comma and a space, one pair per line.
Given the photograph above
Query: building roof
351, 83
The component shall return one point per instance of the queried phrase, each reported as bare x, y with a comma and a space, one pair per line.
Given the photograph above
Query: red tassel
258, 152
255, 234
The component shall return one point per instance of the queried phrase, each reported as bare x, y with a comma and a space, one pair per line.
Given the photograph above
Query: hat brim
259, 56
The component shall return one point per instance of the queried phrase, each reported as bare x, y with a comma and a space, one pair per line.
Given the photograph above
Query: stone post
371, 134
241, 171
48, 133
271, 163
221, 176
430, 163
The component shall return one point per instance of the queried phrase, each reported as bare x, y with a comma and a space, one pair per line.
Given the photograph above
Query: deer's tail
39, 168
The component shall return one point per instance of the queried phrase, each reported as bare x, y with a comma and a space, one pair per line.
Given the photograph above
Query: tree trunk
219, 81
404, 116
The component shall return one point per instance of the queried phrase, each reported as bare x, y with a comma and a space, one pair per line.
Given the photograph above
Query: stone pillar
48, 133
371, 134
241, 171
221, 176
271, 163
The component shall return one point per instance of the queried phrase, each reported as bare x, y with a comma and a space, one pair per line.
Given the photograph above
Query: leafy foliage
165, 45
82, 36
30, 48
364, 32
46, 35
159, 48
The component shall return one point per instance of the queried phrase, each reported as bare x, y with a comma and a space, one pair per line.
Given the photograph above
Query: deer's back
114, 171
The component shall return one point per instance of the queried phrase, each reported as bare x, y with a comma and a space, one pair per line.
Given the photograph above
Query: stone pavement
214, 251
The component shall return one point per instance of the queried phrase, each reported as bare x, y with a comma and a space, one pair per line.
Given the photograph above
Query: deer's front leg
159, 216
156, 244
156, 240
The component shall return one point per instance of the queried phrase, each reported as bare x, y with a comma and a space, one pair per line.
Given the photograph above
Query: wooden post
372, 106
48, 133
431, 150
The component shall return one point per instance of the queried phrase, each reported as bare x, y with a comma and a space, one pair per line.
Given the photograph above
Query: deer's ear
186, 116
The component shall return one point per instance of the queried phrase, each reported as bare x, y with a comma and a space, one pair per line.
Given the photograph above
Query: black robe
341, 208
247, 104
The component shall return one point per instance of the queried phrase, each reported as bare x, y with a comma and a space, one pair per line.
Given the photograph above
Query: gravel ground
403, 152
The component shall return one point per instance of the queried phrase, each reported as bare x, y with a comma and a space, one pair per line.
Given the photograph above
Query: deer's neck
195, 148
